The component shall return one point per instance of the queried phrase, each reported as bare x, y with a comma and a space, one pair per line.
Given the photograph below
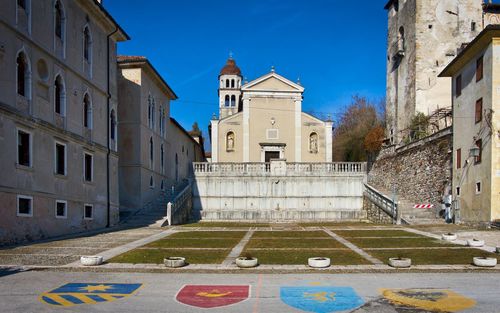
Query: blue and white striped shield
87, 293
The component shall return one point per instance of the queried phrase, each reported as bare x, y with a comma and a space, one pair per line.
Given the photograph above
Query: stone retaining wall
375, 214
419, 172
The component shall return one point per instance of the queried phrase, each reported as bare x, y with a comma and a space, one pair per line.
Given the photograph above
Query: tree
360, 119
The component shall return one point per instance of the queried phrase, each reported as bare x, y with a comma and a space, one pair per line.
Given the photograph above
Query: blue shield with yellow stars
321, 299
87, 293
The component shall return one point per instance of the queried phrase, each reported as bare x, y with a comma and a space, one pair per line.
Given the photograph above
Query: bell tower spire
229, 88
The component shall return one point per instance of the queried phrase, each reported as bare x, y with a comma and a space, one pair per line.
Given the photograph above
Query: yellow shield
438, 300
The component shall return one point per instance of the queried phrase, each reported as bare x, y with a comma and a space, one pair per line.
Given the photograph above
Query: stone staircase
411, 215
153, 213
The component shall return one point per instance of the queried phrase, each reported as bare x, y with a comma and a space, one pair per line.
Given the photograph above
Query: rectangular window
479, 144
479, 110
478, 187
60, 158
88, 212
21, 3
459, 158
458, 85
88, 164
24, 206
458, 191
23, 148
479, 69
61, 209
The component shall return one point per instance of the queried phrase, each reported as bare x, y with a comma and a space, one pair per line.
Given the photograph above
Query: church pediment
272, 82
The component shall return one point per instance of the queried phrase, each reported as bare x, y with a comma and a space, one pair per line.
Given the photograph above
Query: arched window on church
232, 83
227, 83
230, 141
233, 100
226, 101
401, 39
313, 143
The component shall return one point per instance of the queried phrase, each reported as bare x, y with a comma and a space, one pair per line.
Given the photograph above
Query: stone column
328, 141
215, 140
246, 129
298, 129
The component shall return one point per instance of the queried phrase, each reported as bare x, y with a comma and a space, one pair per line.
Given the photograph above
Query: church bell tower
229, 89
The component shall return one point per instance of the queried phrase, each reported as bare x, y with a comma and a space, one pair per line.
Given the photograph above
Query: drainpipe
108, 105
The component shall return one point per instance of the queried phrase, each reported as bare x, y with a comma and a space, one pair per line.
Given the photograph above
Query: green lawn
339, 224
156, 256
290, 234
294, 243
226, 224
194, 243
207, 234
338, 257
376, 233
431, 256
399, 242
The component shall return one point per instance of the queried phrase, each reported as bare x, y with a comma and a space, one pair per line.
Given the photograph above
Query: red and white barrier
423, 206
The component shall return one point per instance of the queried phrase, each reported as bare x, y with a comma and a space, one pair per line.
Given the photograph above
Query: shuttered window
479, 69
459, 158
479, 110
458, 85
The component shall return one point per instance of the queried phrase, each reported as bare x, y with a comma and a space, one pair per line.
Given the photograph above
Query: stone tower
423, 37
229, 89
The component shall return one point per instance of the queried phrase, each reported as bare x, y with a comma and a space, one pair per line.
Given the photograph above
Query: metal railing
179, 209
385, 203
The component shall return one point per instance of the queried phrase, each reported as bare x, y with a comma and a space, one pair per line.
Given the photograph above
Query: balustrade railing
291, 168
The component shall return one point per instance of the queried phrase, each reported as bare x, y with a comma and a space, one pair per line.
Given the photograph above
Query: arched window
176, 167
151, 152
59, 96
87, 112
153, 113
59, 20
233, 100
227, 83
150, 110
232, 83
230, 141
112, 118
161, 158
87, 44
313, 143
401, 41
226, 101
23, 75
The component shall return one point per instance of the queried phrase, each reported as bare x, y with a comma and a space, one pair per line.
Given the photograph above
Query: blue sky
336, 48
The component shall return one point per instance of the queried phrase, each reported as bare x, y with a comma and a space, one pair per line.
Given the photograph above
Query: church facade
263, 120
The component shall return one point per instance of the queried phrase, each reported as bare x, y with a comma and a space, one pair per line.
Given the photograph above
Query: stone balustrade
279, 168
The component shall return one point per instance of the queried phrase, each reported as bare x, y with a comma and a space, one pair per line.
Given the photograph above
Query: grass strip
194, 243
294, 243
339, 224
294, 257
432, 256
226, 224
156, 256
399, 242
376, 233
207, 234
289, 234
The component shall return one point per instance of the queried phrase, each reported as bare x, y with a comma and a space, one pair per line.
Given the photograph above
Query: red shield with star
212, 296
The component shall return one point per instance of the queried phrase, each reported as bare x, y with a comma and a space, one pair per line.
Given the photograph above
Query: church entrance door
271, 155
